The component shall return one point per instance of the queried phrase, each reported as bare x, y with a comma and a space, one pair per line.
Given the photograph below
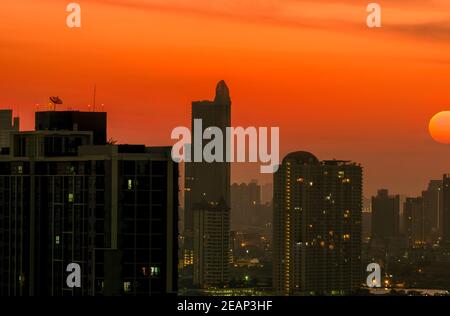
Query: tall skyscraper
317, 226
207, 197
7, 126
111, 209
385, 215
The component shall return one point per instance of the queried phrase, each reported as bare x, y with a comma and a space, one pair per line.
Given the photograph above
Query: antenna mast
95, 88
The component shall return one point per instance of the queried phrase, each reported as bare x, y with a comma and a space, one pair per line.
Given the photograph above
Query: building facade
317, 226
111, 209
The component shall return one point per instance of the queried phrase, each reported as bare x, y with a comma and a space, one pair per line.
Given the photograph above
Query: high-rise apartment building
385, 215
211, 227
317, 226
111, 209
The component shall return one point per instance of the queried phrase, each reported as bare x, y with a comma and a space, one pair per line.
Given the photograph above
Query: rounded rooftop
301, 157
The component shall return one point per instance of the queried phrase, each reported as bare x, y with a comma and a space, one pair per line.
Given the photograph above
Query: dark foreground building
73, 121
112, 209
317, 226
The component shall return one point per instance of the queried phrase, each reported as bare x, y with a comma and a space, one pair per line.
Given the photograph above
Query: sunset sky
334, 87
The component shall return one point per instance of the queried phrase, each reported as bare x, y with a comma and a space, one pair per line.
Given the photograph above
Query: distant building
207, 190
446, 208
432, 200
385, 215
366, 220
267, 193
402, 200
245, 201
317, 226
112, 209
414, 221
7, 125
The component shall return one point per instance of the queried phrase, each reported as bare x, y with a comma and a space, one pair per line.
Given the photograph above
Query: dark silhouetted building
73, 121
432, 203
207, 191
267, 193
112, 209
317, 226
385, 215
247, 210
366, 220
446, 208
8, 124
245, 200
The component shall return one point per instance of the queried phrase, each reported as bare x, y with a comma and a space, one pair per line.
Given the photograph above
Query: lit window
70, 198
130, 184
154, 271
127, 287
19, 169
57, 240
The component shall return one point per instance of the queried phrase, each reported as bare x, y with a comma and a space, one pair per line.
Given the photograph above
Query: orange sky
313, 68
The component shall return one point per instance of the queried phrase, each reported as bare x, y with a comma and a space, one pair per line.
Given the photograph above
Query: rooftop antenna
95, 89
55, 100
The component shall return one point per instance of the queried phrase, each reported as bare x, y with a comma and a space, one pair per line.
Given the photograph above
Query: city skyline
376, 88
322, 198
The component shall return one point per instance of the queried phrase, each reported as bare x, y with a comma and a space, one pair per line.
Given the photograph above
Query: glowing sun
439, 127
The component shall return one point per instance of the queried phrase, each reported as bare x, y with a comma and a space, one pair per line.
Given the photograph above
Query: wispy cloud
333, 15
434, 31
424, 20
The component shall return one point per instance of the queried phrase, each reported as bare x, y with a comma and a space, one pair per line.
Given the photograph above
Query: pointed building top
222, 93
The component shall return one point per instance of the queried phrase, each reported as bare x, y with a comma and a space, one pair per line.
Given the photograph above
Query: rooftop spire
222, 93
